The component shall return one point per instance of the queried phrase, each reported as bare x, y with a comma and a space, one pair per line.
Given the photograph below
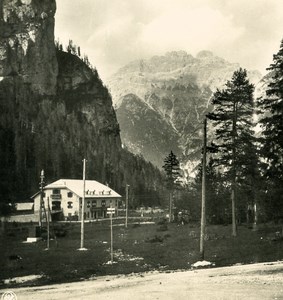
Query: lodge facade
63, 199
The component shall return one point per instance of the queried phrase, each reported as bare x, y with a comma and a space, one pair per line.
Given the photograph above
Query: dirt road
257, 281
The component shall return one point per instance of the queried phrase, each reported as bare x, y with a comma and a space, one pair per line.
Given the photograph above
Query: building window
87, 215
56, 205
93, 203
56, 192
103, 203
88, 204
70, 195
70, 204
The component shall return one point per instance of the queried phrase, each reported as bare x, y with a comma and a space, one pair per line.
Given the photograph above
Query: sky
114, 32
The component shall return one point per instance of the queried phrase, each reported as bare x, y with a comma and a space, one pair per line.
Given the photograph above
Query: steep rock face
177, 67
56, 132
55, 110
27, 43
147, 134
178, 87
83, 94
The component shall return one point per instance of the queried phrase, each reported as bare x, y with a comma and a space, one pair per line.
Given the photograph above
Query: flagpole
83, 208
202, 230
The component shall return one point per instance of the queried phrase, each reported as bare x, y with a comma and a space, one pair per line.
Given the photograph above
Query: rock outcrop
27, 43
55, 110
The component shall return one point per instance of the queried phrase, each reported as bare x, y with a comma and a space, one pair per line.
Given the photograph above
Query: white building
64, 197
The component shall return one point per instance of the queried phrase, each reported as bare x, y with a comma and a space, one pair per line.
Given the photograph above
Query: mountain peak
177, 54
204, 54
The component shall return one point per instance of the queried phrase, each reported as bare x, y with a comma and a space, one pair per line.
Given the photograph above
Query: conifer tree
271, 121
172, 169
232, 119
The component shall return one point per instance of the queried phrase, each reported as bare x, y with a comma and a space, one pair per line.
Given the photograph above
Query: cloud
115, 32
191, 29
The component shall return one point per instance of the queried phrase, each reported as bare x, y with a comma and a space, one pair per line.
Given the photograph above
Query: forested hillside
55, 111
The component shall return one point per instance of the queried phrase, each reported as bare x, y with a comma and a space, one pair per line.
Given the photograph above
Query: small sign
111, 209
110, 212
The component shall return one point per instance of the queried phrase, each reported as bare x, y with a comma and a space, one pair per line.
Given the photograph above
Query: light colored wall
21, 218
75, 210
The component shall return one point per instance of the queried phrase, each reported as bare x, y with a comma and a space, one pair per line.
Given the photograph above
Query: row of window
70, 194
92, 203
58, 192
94, 214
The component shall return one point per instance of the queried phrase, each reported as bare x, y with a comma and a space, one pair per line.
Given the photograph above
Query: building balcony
56, 196
56, 211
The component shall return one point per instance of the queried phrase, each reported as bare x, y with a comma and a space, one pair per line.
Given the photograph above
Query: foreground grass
137, 248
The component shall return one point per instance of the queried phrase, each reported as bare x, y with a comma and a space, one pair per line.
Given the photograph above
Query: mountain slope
138, 116
55, 111
177, 86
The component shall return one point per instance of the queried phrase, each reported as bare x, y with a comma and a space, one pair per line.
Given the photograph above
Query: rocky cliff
27, 43
55, 110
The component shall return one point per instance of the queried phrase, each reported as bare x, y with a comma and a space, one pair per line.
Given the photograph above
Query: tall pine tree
172, 169
271, 121
233, 122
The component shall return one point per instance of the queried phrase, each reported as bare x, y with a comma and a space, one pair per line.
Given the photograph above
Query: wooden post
41, 197
83, 206
48, 224
127, 204
203, 194
111, 246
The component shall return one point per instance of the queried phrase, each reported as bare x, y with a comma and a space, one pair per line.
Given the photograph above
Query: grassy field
137, 248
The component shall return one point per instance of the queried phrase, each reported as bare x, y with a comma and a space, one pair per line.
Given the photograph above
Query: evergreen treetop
172, 169
271, 109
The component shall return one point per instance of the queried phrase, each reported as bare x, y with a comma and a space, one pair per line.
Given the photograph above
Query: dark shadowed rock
27, 43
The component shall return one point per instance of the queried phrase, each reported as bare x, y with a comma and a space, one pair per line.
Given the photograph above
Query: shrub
163, 227
162, 221
156, 239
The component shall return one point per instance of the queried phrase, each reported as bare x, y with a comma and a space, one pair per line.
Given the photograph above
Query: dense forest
56, 132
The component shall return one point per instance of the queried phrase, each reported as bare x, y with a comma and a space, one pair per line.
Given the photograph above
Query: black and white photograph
141, 149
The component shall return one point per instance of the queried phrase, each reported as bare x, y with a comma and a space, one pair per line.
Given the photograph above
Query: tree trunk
170, 206
234, 225
255, 218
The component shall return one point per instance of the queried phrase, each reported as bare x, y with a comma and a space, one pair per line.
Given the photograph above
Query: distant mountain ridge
177, 86
204, 70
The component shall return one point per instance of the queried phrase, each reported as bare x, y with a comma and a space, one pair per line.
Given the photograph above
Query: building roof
93, 189
24, 206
